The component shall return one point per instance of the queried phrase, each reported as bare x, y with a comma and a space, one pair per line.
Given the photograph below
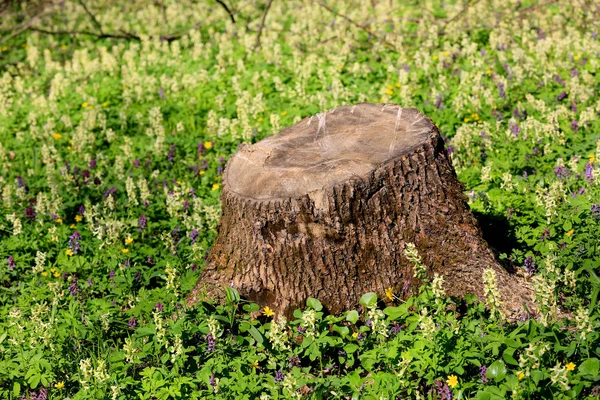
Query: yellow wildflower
592, 157
215, 187
57, 136
570, 232
452, 381
475, 116
467, 119
44, 273
105, 104
63, 47
389, 92
268, 312
488, 71
84, 104
78, 218
69, 148
398, 85
59, 220
521, 375
570, 366
128, 240
202, 172
69, 252
435, 57
284, 113
389, 293
4, 48
259, 119
60, 385
56, 274
72, 226
254, 364
52, 269
124, 251
208, 145
355, 335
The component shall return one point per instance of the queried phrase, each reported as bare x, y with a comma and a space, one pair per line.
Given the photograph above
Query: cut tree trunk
325, 209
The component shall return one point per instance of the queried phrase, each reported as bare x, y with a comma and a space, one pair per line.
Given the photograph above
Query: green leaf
256, 335
350, 348
352, 316
252, 307
314, 304
369, 299
233, 296
508, 356
16, 389
590, 368
496, 371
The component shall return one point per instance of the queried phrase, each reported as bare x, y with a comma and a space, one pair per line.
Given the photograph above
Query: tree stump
325, 209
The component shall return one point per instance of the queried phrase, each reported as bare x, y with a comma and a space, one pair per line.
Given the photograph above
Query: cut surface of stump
326, 208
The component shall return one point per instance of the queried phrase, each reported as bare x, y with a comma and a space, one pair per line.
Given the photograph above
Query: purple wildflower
110, 192
73, 287
574, 72
194, 236
279, 377
438, 101
301, 329
137, 276
142, 223
561, 172
574, 125
501, 90
219, 170
482, 371
562, 96
210, 340
515, 129
74, 242
596, 210
90, 282
518, 114
11, 263
589, 168
595, 391
93, 163
395, 329
21, 183
212, 381
30, 213
158, 307
529, 265
442, 390
43, 395
559, 80
294, 362
161, 93
136, 163
171, 155
545, 235
132, 323
111, 275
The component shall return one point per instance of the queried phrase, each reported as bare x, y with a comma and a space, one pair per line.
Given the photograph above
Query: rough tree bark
325, 209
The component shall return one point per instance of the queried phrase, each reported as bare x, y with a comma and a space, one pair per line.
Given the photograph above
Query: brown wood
325, 208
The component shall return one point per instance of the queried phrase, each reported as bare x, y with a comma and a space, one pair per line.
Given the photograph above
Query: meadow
117, 119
